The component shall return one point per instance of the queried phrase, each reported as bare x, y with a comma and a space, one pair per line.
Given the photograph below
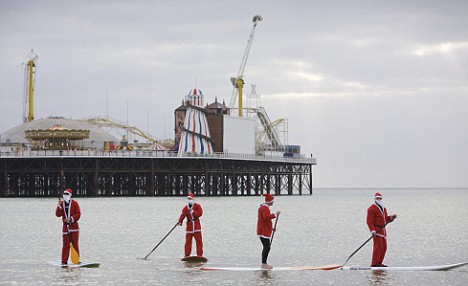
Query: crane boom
29, 79
238, 81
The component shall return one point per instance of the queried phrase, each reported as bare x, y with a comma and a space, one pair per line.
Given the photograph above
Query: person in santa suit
265, 227
377, 219
69, 210
192, 211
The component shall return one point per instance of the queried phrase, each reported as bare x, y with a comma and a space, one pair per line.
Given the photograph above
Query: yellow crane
30, 65
238, 81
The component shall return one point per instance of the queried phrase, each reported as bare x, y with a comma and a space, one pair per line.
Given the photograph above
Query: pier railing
154, 153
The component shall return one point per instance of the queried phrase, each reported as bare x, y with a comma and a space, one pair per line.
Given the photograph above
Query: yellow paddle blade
75, 257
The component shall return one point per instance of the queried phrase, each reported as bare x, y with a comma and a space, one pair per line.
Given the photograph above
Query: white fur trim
381, 235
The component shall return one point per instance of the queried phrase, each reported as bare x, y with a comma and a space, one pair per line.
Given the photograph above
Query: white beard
380, 203
67, 199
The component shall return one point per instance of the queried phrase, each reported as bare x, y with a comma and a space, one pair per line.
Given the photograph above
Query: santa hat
70, 191
268, 198
190, 196
377, 196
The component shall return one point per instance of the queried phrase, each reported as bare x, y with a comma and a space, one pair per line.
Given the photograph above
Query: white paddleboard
292, 268
417, 268
71, 265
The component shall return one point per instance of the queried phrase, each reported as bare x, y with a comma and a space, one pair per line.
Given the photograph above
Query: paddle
273, 235
357, 250
361, 246
331, 267
166, 236
75, 257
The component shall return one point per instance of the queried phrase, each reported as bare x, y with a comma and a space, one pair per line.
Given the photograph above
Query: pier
92, 173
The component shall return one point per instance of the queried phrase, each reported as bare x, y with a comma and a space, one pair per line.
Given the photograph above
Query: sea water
321, 229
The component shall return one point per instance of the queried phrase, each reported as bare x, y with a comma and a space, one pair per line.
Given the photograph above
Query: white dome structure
97, 136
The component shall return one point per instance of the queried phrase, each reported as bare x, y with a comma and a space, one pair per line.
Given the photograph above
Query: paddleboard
292, 268
194, 259
71, 265
417, 268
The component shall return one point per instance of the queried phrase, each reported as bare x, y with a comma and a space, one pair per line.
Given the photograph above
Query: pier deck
151, 173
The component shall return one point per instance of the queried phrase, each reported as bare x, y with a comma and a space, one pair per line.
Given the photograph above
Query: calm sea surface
324, 228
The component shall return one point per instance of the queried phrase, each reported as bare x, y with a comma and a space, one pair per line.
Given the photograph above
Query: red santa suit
192, 211
265, 227
69, 210
264, 223
377, 219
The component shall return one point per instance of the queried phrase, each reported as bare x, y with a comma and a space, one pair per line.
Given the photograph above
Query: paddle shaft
162, 240
67, 225
166, 236
74, 254
357, 250
360, 247
273, 235
75, 259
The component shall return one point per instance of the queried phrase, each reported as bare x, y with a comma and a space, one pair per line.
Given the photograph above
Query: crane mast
29, 80
238, 81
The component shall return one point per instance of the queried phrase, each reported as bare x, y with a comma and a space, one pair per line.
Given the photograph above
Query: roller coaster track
268, 128
98, 121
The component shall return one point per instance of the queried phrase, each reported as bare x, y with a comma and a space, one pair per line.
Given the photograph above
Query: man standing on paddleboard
192, 211
377, 219
69, 210
265, 227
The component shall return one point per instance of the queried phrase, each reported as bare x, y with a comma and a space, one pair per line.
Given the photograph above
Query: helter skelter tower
195, 138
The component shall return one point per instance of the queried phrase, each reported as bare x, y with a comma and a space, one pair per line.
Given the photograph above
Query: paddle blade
330, 267
75, 257
324, 267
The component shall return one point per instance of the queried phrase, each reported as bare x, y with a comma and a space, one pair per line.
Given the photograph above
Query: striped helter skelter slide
195, 138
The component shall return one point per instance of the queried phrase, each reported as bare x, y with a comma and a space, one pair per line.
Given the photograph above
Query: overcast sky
376, 90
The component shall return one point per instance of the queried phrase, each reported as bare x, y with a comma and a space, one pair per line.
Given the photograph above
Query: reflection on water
378, 278
193, 265
69, 275
265, 277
